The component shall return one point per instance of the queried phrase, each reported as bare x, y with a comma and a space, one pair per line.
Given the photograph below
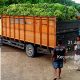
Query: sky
77, 1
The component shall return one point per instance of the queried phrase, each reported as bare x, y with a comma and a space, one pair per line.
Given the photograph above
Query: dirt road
15, 65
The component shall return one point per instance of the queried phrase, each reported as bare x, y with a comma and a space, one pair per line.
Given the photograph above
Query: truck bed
36, 30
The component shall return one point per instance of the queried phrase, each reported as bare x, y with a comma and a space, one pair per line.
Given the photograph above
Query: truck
31, 33
38, 34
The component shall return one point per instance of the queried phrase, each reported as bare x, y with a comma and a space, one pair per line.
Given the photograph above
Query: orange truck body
0, 27
36, 30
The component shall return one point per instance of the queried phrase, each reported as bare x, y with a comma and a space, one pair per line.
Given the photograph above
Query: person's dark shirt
59, 53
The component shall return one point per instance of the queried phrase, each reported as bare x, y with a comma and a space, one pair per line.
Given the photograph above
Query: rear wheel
30, 50
1, 41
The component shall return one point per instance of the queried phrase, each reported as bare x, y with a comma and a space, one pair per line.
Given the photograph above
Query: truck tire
0, 41
30, 50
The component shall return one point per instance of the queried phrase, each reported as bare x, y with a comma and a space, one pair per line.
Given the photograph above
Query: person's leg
77, 62
55, 73
59, 73
60, 65
55, 70
78, 65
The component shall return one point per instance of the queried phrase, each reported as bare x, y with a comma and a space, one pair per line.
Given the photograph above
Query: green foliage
62, 12
64, 2
70, 12
77, 6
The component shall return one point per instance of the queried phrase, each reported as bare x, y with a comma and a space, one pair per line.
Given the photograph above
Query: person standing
77, 53
58, 57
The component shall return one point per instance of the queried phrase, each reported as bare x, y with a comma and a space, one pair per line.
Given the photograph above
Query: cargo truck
33, 34
38, 34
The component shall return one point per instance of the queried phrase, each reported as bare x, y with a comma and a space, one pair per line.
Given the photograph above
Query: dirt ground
15, 65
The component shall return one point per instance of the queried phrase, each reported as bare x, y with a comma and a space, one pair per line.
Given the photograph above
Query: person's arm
75, 49
53, 55
65, 51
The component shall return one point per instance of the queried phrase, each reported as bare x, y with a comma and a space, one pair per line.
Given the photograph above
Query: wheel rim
30, 50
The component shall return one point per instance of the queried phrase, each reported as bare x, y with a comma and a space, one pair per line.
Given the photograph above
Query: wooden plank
47, 32
12, 30
40, 31
9, 26
34, 32
1, 25
24, 28
14, 27
6, 26
19, 27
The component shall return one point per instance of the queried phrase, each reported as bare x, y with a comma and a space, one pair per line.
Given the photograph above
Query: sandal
59, 78
55, 79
